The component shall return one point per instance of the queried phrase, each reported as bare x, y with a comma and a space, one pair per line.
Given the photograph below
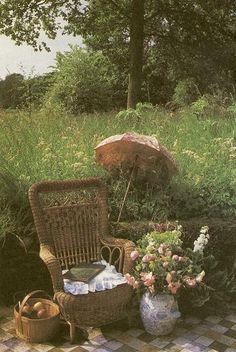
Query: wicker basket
37, 330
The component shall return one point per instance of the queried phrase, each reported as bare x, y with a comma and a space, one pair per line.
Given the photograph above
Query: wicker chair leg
72, 332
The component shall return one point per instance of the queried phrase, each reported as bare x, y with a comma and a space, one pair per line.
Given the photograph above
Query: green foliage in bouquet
152, 240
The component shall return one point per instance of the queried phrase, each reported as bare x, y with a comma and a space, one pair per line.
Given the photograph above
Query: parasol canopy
144, 155
141, 158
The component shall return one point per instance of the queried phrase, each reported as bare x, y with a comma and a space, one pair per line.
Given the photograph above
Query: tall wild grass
55, 145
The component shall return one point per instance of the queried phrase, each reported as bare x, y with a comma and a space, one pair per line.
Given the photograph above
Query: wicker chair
71, 219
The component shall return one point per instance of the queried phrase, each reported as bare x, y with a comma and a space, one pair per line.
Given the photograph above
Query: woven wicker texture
37, 330
71, 219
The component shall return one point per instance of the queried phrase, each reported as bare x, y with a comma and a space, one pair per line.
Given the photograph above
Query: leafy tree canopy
177, 35
106, 22
11, 90
17, 91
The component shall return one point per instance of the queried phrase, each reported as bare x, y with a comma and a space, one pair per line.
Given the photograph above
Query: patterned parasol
140, 157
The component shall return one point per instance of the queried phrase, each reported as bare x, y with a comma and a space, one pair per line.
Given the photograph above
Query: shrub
200, 106
12, 91
21, 91
135, 115
186, 92
85, 82
37, 87
210, 106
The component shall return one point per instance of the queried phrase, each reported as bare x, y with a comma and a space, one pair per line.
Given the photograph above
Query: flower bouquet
161, 265
163, 269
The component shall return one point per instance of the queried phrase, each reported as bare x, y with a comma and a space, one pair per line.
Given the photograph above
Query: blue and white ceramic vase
159, 313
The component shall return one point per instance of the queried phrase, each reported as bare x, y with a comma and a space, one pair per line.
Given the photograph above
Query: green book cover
84, 272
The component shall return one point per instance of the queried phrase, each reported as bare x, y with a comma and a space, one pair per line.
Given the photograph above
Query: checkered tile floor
190, 335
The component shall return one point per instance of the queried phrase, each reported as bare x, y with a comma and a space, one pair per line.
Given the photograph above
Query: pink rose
181, 259
165, 264
130, 279
173, 287
175, 257
148, 257
148, 279
134, 255
143, 276
136, 284
149, 282
164, 245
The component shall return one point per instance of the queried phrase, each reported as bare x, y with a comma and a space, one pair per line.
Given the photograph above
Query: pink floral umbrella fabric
141, 155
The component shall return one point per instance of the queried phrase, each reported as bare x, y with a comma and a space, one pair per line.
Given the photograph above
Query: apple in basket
38, 306
27, 310
40, 310
42, 313
36, 311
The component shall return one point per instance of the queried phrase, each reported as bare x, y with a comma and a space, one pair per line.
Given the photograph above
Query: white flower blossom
179, 228
204, 230
202, 240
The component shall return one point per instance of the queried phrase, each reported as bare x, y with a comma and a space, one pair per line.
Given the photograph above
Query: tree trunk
136, 53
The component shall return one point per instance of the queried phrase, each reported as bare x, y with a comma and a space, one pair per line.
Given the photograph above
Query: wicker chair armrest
53, 266
126, 246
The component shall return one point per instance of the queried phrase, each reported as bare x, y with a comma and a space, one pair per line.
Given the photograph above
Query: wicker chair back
71, 218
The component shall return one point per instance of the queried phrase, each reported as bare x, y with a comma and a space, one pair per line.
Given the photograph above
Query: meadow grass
49, 145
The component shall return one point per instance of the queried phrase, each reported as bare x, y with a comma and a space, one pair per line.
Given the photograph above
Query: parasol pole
127, 190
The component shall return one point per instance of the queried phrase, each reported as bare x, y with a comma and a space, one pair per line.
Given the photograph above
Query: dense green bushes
17, 91
88, 81
12, 90
186, 92
85, 82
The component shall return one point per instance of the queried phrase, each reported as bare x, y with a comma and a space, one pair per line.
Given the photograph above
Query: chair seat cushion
107, 279
95, 308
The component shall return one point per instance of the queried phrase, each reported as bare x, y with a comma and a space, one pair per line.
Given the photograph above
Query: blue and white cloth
106, 279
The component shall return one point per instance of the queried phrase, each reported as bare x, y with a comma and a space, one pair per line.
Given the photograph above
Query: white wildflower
204, 229
179, 228
202, 240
